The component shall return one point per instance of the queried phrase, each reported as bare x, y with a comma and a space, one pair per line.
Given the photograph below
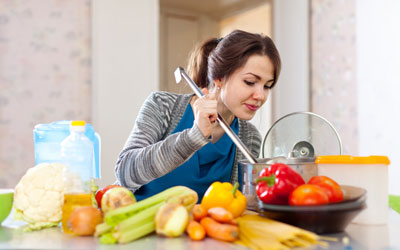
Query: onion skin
171, 220
83, 220
115, 198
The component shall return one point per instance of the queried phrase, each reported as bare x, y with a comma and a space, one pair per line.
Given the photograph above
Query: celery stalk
108, 238
102, 229
140, 218
121, 231
136, 232
113, 217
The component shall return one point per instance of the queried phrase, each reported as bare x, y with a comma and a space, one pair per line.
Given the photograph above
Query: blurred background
98, 61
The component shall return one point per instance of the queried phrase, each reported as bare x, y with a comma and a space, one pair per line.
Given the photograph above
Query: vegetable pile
221, 215
131, 222
280, 184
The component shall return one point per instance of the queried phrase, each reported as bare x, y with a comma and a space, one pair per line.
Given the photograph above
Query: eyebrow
258, 77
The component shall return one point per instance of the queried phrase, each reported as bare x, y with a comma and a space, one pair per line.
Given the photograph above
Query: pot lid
301, 135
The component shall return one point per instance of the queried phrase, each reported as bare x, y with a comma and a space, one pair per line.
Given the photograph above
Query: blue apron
213, 162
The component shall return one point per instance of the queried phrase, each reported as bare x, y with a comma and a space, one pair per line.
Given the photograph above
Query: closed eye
249, 82
268, 86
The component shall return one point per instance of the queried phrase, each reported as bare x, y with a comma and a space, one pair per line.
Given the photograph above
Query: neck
225, 113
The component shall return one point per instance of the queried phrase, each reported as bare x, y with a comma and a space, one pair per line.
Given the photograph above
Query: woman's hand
205, 112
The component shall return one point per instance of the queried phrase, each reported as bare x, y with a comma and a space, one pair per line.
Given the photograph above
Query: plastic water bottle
77, 154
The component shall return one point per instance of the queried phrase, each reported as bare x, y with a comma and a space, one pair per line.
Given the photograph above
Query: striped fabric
151, 151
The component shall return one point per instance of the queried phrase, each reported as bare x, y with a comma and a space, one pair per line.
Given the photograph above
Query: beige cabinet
180, 31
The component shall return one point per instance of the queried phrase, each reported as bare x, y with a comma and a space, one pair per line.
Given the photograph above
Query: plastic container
77, 154
370, 173
47, 143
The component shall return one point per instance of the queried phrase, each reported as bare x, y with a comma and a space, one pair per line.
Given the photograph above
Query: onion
83, 220
115, 198
171, 220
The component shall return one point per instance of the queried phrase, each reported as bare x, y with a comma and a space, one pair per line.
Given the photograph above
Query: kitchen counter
359, 237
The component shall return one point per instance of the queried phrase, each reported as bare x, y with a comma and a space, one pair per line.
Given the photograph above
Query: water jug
47, 141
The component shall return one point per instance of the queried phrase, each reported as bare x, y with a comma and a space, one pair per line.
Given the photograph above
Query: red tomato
101, 192
308, 194
331, 187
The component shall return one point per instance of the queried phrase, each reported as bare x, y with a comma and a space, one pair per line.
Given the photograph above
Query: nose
260, 93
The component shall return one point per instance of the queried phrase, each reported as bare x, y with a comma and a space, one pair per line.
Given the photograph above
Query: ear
218, 83
205, 91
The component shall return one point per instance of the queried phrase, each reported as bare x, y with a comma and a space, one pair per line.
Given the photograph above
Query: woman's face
247, 89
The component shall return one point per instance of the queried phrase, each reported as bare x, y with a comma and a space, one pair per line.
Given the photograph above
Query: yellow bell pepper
225, 195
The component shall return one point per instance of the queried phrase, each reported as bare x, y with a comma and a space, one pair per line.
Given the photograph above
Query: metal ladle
179, 73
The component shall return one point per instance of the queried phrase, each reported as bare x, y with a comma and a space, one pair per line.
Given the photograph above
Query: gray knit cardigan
151, 151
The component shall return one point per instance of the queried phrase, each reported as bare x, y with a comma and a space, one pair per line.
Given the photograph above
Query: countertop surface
358, 237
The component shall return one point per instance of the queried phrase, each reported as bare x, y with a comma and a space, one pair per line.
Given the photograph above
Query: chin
245, 117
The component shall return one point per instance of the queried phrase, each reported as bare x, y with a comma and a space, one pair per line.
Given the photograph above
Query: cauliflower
39, 195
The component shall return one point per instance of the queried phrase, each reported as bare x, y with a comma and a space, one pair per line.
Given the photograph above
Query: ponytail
198, 62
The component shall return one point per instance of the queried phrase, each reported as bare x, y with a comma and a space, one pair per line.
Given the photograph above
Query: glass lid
301, 134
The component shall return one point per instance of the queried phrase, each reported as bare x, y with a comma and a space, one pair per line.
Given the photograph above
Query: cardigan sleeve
254, 138
146, 156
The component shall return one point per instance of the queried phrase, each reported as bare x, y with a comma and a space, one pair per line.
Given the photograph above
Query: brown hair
218, 59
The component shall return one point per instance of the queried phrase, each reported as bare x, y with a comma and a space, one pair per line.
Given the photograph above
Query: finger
213, 118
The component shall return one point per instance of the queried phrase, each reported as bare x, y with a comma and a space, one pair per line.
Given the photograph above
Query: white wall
291, 35
378, 82
125, 70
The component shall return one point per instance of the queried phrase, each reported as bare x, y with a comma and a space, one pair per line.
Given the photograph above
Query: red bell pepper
276, 182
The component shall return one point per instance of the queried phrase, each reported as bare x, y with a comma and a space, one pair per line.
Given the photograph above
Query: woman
176, 139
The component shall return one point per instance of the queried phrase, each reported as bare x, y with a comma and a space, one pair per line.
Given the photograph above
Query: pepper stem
235, 187
270, 180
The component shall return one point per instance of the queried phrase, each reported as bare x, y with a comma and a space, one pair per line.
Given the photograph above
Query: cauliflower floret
39, 195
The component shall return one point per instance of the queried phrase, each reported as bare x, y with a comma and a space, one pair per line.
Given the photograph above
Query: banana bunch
134, 221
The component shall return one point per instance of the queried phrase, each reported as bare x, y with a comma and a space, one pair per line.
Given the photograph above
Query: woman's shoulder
248, 127
163, 97
167, 107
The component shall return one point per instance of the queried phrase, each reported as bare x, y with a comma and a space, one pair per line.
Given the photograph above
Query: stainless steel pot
305, 166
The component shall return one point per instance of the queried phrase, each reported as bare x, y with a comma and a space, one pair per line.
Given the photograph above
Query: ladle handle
181, 72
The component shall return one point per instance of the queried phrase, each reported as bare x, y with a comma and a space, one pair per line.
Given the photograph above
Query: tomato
101, 192
331, 187
308, 194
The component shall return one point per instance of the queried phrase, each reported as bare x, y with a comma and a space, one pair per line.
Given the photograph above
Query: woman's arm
145, 155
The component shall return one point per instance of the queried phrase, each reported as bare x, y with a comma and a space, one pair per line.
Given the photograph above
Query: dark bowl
320, 219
